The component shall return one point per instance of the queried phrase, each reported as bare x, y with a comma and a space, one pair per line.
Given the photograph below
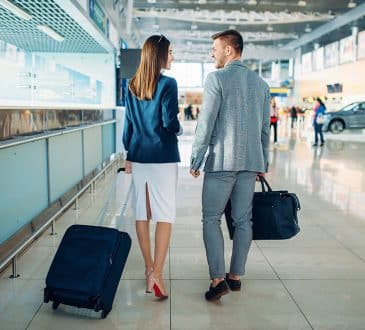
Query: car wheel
337, 126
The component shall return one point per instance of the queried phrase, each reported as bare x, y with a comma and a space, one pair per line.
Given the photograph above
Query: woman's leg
143, 234
275, 131
320, 133
315, 133
162, 240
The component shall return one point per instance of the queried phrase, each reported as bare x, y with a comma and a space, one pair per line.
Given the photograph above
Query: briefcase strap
264, 183
296, 200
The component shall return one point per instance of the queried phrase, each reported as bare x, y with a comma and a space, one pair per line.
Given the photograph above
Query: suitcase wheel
55, 304
104, 314
97, 305
46, 295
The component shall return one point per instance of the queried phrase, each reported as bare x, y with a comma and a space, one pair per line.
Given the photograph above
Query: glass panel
24, 122
91, 116
21, 122
74, 117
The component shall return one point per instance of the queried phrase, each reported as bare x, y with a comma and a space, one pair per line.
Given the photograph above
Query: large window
186, 74
207, 68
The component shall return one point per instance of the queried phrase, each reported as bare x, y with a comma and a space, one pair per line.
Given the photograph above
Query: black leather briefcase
274, 214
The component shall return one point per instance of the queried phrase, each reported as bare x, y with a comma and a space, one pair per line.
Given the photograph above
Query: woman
319, 111
149, 136
274, 114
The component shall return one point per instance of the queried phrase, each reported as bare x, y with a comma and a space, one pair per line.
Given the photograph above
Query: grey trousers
218, 187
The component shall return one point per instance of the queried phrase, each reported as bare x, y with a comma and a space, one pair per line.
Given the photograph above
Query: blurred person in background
274, 117
318, 119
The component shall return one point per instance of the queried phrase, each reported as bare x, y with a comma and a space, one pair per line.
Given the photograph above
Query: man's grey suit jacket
234, 124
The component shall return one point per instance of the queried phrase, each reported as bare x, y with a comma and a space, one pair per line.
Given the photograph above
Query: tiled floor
313, 281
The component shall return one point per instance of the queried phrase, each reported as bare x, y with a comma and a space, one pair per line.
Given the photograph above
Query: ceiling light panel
26, 35
17, 11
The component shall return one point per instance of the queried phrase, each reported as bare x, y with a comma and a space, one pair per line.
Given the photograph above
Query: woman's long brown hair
153, 59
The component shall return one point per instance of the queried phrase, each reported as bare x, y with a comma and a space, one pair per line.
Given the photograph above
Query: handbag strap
264, 183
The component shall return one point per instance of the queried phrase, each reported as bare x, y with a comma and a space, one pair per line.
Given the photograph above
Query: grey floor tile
330, 304
262, 304
315, 263
132, 309
20, 300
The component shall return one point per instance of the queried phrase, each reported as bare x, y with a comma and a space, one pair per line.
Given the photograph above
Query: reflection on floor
314, 281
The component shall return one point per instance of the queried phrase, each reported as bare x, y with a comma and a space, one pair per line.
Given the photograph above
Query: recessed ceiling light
352, 4
51, 33
302, 3
15, 10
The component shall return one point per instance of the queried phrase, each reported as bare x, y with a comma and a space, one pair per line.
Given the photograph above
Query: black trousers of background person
318, 131
275, 125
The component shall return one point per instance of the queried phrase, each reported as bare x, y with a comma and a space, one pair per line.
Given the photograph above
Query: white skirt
161, 180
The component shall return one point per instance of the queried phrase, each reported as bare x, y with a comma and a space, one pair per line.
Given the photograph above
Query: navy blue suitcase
87, 268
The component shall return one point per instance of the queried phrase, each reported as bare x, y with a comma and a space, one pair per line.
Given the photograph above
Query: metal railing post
14, 270
53, 228
76, 207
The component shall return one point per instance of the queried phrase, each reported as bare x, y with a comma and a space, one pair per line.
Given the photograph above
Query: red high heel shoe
153, 283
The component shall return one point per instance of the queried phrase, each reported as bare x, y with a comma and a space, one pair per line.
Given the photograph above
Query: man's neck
231, 59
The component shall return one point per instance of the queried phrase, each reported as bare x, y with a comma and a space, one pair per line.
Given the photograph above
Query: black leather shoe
218, 291
234, 285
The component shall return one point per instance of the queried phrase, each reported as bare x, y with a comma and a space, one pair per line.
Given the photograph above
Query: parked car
350, 116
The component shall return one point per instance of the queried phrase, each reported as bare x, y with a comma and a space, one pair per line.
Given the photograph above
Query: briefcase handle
264, 183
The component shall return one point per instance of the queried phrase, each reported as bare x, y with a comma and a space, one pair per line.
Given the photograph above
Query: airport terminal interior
65, 65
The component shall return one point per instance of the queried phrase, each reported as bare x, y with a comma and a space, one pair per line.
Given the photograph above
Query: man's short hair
232, 38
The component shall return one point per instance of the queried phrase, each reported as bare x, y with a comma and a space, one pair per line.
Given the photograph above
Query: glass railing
20, 122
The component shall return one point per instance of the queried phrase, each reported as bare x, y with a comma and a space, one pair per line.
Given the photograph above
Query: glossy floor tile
330, 304
262, 304
315, 280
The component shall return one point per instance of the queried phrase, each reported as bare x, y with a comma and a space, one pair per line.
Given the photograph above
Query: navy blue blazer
150, 126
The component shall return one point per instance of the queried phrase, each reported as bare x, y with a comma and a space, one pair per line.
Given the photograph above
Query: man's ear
228, 50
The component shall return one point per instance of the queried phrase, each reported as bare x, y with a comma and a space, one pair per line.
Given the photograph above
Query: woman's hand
128, 167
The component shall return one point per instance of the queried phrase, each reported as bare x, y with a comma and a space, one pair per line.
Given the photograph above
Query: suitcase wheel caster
97, 305
55, 304
46, 296
104, 314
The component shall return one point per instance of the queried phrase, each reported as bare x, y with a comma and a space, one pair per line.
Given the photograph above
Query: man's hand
195, 173
260, 175
128, 167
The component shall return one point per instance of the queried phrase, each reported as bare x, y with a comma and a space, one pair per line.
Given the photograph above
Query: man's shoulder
213, 78
253, 75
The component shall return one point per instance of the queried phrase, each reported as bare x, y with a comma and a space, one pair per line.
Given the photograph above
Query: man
234, 126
